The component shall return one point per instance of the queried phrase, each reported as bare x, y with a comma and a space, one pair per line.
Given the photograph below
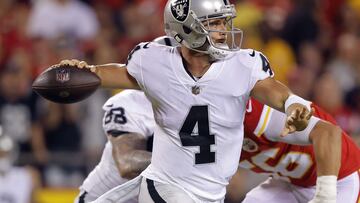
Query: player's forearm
271, 93
326, 139
133, 163
114, 75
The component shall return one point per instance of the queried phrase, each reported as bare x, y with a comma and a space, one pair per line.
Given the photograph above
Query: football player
294, 165
128, 122
199, 92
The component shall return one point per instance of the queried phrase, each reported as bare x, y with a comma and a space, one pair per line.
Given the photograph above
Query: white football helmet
186, 20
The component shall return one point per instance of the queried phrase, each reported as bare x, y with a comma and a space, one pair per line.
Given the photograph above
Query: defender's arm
326, 139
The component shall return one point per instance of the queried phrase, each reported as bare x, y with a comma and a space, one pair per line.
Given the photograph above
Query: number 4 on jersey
195, 132
266, 65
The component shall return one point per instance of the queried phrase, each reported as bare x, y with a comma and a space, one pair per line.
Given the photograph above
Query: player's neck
197, 63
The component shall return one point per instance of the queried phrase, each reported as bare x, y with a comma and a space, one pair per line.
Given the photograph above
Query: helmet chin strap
217, 53
214, 52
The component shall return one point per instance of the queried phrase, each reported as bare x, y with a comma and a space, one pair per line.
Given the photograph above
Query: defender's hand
78, 64
298, 117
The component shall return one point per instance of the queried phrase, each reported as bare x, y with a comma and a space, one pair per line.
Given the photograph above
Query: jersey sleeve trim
264, 121
133, 64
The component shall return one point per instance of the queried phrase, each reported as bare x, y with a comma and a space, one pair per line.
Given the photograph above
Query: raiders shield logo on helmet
62, 75
180, 9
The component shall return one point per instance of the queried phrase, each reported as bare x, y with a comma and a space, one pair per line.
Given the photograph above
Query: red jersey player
293, 167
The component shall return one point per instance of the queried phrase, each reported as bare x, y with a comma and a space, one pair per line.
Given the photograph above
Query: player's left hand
298, 117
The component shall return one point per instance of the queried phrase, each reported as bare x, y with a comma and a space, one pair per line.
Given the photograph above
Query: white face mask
5, 164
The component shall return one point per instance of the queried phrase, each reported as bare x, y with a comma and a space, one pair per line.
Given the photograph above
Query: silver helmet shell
185, 21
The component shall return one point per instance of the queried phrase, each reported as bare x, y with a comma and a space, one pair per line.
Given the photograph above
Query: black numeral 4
195, 132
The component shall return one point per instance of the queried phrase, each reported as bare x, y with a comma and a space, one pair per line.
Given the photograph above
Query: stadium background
313, 46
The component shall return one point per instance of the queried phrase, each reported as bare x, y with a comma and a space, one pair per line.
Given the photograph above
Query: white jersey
128, 111
199, 133
16, 186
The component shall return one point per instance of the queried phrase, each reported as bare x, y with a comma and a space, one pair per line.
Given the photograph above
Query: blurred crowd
313, 47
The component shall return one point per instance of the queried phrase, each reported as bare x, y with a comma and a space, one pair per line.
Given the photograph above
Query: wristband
326, 187
293, 99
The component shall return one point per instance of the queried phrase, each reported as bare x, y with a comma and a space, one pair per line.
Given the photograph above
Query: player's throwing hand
78, 64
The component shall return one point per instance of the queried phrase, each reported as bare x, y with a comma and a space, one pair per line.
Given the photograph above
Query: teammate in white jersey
128, 122
17, 184
198, 92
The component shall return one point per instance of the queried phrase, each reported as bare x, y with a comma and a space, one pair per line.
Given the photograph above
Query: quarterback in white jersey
199, 122
127, 115
198, 93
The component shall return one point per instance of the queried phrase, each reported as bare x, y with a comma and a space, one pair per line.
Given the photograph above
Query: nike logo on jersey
252, 54
109, 105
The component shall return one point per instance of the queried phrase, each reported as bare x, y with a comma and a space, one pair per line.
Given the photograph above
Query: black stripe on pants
153, 193
82, 197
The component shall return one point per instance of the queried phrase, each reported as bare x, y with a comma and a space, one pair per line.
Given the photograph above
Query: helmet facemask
232, 37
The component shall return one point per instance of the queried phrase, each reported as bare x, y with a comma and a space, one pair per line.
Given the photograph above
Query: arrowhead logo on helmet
180, 9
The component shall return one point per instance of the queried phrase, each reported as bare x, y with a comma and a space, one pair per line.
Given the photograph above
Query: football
66, 84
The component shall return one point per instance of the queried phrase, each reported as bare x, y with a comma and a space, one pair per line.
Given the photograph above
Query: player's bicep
276, 125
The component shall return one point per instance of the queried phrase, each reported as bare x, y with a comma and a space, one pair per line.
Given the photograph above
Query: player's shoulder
153, 49
254, 61
247, 57
146, 53
124, 98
